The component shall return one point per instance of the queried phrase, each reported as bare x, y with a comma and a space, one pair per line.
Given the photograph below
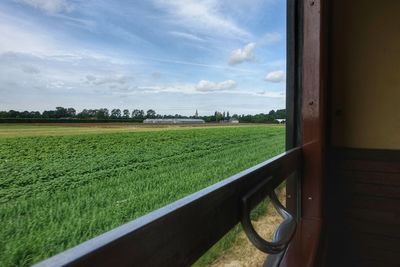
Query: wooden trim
293, 73
311, 112
365, 154
293, 103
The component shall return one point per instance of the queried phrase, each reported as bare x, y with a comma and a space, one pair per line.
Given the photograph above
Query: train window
112, 109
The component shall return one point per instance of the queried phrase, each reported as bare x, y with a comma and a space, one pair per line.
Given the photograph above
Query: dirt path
243, 253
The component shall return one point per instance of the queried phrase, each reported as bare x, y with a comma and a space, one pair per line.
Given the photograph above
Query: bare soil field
61, 129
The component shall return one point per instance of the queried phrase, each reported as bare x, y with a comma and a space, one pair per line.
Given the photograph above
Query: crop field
57, 190
60, 129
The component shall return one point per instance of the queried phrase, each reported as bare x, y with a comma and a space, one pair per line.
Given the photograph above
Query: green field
57, 191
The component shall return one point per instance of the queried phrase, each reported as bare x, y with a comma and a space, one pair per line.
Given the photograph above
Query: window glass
112, 109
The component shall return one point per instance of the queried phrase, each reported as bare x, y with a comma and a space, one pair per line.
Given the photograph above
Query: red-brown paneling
364, 208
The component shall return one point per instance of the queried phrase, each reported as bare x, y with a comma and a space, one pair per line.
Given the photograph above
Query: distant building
173, 121
229, 121
281, 120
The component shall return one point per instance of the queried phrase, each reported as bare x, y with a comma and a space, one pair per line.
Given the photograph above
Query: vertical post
293, 98
309, 98
313, 110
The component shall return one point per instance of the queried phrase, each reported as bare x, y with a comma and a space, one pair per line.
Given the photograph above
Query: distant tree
272, 113
27, 114
71, 112
61, 112
106, 112
116, 113
92, 113
35, 114
138, 114
150, 114
51, 114
141, 114
102, 114
126, 114
135, 114
218, 116
84, 114
13, 114
3, 114
280, 114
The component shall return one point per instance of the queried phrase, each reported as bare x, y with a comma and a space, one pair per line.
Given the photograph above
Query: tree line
137, 115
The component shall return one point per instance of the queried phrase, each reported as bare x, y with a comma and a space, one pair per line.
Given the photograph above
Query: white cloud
203, 87
195, 64
186, 35
275, 76
242, 54
156, 75
208, 86
201, 16
115, 79
184, 88
29, 69
29, 75
246, 53
271, 94
19, 35
270, 38
49, 6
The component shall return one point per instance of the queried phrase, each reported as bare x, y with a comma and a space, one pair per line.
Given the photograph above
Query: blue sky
174, 56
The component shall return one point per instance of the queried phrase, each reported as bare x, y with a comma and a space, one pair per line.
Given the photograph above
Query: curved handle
282, 235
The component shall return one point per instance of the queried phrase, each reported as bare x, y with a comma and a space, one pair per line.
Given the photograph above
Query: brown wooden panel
369, 166
364, 208
378, 242
375, 216
385, 155
370, 177
373, 203
369, 263
365, 253
363, 226
375, 190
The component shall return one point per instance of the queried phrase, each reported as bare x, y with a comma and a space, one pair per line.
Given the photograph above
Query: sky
174, 56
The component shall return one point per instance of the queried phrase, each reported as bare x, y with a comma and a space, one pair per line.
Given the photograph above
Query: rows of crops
56, 192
